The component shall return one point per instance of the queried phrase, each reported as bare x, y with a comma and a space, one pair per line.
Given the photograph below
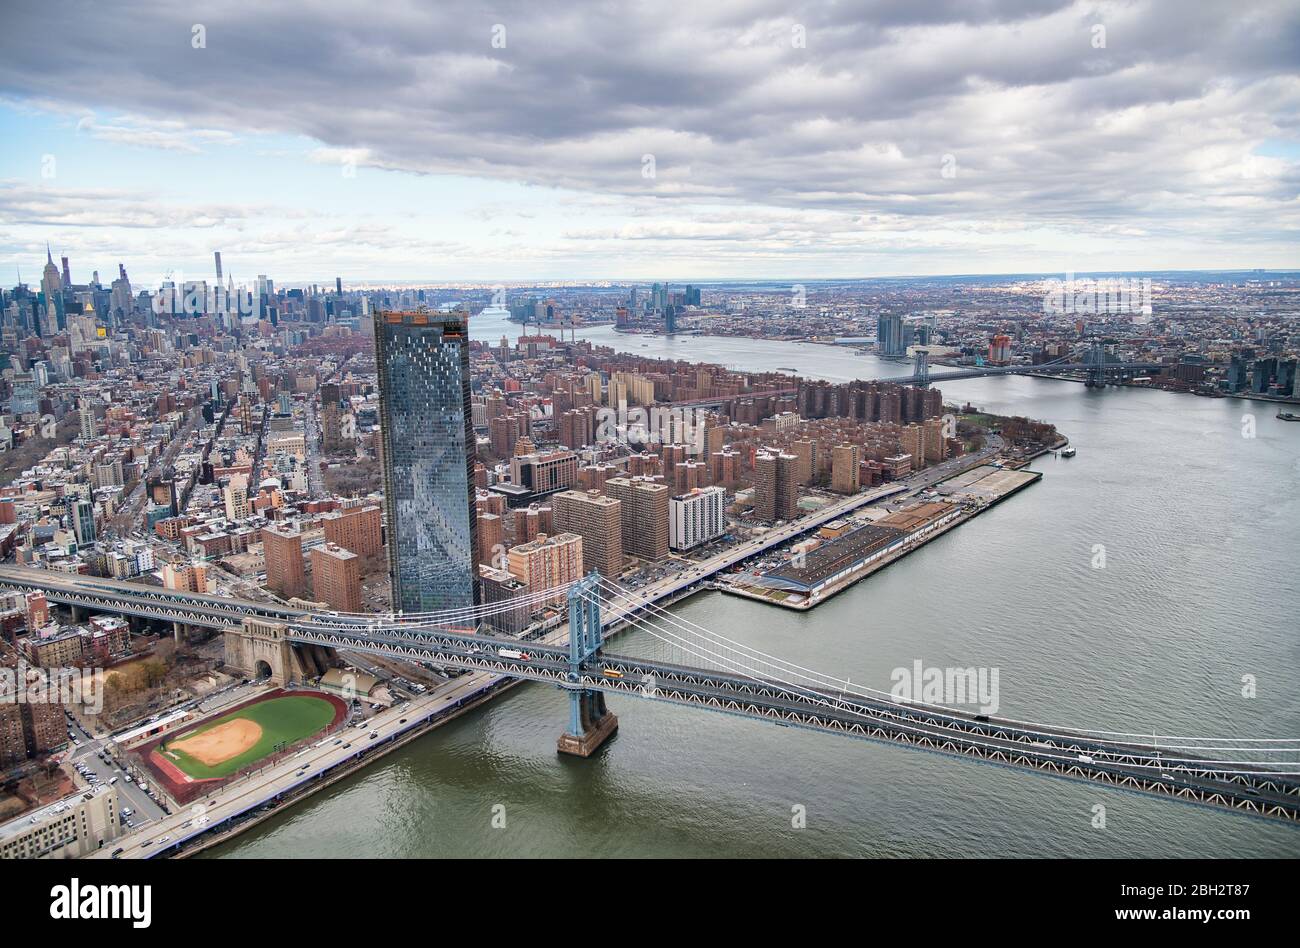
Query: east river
1201, 587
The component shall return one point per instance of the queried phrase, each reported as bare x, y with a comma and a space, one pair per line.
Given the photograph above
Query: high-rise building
889, 334
599, 521
776, 486
547, 563
697, 517
331, 417
282, 548
1000, 350
427, 439
912, 441
28, 728
83, 522
531, 521
500, 588
544, 471
52, 288
336, 577
89, 425
644, 515
936, 446
845, 461
808, 451
359, 529
491, 539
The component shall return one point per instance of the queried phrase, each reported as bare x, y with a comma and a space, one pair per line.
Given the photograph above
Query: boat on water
786, 368
1068, 452
1288, 416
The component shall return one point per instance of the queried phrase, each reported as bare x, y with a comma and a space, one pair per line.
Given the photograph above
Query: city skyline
599, 429
1050, 137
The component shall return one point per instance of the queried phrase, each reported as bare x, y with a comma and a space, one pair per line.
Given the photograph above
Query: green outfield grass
286, 720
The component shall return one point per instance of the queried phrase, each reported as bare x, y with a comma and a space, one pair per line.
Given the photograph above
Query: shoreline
863, 570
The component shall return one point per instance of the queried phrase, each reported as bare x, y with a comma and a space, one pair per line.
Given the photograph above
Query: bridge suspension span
682, 662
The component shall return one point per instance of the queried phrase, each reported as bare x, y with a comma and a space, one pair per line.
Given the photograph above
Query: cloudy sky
537, 140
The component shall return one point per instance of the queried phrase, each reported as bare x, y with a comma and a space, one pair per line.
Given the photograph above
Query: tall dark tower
427, 433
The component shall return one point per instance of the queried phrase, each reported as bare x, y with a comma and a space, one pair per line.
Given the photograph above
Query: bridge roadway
1060, 753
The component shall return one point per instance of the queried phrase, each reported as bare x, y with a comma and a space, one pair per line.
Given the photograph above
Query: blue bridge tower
590, 722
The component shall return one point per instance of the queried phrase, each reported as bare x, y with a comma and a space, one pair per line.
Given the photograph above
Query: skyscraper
52, 287
428, 454
889, 334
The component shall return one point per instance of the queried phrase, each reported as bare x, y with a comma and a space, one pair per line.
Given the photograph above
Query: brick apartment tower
336, 577
285, 571
644, 515
599, 521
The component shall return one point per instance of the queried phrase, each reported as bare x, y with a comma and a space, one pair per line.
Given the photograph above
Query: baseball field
228, 744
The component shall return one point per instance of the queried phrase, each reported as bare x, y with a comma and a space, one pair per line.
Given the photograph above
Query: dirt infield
219, 744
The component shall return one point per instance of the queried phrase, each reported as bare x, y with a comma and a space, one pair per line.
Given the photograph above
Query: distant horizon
362, 285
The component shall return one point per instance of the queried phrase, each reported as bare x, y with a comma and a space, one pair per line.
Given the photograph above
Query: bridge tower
921, 369
590, 722
1096, 365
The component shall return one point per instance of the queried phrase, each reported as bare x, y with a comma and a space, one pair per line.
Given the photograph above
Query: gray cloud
1151, 132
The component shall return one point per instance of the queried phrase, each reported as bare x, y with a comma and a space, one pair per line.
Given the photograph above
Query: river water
1201, 533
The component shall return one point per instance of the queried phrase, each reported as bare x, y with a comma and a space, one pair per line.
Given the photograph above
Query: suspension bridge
694, 667
1098, 370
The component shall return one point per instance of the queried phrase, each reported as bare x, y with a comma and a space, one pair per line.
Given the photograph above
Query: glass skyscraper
428, 448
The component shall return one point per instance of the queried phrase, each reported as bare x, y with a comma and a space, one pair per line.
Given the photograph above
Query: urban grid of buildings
359, 451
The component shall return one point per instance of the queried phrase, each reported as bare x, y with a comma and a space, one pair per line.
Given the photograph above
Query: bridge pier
590, 724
